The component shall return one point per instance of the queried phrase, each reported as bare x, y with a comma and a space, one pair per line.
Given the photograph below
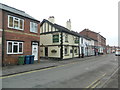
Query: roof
61, 28
16, 11
94, 32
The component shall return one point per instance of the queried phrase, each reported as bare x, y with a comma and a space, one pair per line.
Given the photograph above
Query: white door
35, 50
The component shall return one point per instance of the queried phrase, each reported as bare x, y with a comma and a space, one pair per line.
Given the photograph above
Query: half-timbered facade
57, 41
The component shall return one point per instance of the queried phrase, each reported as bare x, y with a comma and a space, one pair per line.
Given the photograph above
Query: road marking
36, 70
96, 85
95, 81
110, 77
25, 73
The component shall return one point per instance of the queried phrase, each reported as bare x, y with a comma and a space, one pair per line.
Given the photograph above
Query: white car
117, 53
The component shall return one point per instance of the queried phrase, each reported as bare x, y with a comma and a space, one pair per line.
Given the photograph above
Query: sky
96, 15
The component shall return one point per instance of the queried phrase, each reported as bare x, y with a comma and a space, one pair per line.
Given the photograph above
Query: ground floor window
66, 50
76, 50
14, 47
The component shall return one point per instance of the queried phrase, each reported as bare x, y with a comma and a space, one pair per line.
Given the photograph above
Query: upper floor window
82, 40
15, 23
55, 38
33, 27
66, 37
76, 40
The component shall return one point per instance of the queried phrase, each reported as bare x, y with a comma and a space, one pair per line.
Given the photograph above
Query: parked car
117, 53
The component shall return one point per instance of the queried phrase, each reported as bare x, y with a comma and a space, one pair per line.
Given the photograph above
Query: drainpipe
3, 38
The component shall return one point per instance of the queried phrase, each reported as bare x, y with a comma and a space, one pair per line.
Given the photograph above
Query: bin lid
31, 55
27, 55
21, 56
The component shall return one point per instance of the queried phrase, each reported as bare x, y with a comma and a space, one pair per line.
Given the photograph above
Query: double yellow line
3, 77
96, 82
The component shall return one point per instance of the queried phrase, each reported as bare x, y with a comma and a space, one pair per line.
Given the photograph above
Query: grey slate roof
16, 11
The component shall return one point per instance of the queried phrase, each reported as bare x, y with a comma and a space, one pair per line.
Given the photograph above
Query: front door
35, 50
46, 51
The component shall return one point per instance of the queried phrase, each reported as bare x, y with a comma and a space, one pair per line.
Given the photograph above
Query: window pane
20, 47
36, 28
21, 24
16, 23
66, 38
10, 47
15, 49
33, 27
10, 21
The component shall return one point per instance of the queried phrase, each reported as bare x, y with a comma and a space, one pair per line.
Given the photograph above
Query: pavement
44, 63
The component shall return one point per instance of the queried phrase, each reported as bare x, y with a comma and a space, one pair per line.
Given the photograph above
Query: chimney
68, 24
51, 19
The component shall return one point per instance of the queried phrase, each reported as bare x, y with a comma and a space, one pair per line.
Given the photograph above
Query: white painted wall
47, 39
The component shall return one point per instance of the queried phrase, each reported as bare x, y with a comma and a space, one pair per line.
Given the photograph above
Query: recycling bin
31, 59
27, 59
21, 60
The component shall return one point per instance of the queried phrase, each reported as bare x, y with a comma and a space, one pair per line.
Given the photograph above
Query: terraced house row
21, 34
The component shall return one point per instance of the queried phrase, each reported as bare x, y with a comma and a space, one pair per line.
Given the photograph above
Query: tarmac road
81, 74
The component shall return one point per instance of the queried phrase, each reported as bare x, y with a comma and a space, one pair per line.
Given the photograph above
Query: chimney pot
51, 19
68, 24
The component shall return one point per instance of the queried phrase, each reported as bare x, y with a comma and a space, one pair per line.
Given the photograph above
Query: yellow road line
92, 84
25, 73
95, 81
95, 85
35, 71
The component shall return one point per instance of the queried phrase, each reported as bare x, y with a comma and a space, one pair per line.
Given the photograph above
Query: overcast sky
96, 15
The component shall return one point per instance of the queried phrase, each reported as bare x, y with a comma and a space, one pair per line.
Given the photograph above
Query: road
90, 73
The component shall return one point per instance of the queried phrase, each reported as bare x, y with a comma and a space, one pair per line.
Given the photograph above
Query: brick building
20, 34
100, 44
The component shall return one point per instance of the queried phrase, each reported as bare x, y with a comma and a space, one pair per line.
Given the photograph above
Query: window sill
66, 54
13, 53
16, 29
33, 32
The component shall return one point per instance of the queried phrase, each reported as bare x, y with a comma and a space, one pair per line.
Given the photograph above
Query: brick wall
16, 35
94, 36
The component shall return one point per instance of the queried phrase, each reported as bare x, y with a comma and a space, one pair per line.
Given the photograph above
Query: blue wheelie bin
27, 59
31, 59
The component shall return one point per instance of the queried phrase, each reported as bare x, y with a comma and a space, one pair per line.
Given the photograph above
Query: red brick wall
93, 35
89, 34
16, 35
